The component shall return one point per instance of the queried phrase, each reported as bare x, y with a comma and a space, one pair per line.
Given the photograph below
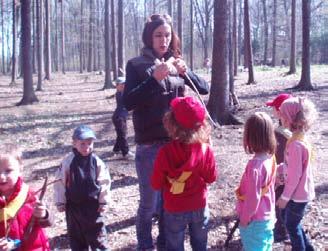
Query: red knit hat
278, 100
188, 112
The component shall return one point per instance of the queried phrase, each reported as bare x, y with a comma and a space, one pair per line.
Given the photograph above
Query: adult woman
152, 80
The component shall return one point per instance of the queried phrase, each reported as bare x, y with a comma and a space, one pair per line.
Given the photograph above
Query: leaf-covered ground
44, 131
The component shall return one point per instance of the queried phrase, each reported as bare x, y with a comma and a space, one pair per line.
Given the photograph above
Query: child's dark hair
188, 136
259, 134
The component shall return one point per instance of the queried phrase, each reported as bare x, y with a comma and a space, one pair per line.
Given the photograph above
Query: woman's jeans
292, 216
176, 224
257, 235
150, 200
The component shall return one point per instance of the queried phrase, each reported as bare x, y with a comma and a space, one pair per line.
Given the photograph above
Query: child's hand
281, 203
102, 208
40, 210
4, 244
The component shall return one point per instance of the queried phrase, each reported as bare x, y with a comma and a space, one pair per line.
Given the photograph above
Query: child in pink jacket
297, 114
256, 195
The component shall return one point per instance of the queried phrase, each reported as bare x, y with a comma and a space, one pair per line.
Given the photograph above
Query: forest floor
44, 132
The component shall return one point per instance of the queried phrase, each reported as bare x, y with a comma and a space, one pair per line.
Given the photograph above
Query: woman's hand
161, 71
181, 66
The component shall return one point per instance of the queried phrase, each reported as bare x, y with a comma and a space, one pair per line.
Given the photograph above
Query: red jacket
175, 158
37, 240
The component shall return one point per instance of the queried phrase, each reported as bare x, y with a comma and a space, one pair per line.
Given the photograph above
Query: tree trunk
28, 91
56, 57
170, 7
108, 78
81, 36
47, 42
3, 38
274, 37
14, 67
63, 56
292, 58
91, 34
218, 103
180, 35
39, 31
240, 31
234, 38
266, 33
191, 52
34, 36
114, 57
305, 82
248, 44
120, 47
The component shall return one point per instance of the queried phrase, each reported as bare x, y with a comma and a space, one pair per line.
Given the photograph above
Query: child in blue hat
83, 193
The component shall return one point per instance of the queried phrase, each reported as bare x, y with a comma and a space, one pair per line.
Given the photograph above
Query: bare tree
14, 35
191, 52
63, 56
218, 103
180, 24
266, 32
248, 45
81, 36
47, 42
108, 79
292, 58
114, 58
39, 32
56, 58
170, 7
3, 38
120, 32
274, 36
305, 82
28, 91
234, 38
91, 34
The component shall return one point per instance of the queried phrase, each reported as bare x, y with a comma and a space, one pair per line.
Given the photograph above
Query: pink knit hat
277, 101
289, 108
188, 112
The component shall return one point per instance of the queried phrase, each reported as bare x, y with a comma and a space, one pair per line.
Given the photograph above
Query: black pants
121, 144
86, 228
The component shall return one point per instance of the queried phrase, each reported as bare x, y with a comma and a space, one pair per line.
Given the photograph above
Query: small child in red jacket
182, 170
18, 205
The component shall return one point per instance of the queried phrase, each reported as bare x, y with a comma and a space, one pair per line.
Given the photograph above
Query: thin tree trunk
240, 31
28, 91
113, 36
180, 24
81, 36
91, 34
292, 58
47, 42
3, 38
108, 78
14, 67
266, 33
274, 37
120, 47
63, 56
170, 7
39, 31
234, 38
248, 45
56, 54
305, 82
34, 36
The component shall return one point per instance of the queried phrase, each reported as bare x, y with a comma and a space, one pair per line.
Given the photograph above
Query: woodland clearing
44, 131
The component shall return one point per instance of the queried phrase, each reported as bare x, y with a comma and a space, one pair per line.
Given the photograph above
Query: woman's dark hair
152, 23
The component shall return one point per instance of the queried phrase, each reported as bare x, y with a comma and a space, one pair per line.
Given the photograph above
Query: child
19, 206
256, 196
282, 135
297, 115
119, 120
182, 170
83, 193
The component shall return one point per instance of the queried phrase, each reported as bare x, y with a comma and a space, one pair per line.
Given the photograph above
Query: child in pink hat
297, 114
182, 170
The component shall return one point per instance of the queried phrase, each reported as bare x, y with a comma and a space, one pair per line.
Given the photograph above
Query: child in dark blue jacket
119, 120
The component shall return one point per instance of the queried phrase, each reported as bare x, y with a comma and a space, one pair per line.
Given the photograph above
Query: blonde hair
299, 112
8, 151
187, 136
259, 134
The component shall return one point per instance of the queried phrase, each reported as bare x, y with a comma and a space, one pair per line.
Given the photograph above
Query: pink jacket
299, 185
257, 175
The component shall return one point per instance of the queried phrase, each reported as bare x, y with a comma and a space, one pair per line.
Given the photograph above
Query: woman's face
162, 36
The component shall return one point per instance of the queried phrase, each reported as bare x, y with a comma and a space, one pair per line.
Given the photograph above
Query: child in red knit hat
182, 170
